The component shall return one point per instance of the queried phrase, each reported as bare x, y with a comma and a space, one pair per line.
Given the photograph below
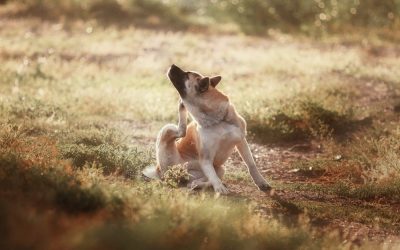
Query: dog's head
191, 84
205, 103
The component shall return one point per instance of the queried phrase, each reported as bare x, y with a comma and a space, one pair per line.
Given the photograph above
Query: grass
82, 97
302, 120
147, 215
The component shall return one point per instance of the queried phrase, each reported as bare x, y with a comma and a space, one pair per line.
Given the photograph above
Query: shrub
50, 186
176, 175
126, 161
106, 148
306, 119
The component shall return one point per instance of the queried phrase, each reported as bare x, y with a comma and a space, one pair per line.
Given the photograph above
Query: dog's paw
220, 188
265, 187
198, 184
194, 185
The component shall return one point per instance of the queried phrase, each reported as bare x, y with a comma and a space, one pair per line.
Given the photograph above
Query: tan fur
188, 145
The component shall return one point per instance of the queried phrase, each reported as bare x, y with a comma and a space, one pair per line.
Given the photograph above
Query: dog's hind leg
166, 151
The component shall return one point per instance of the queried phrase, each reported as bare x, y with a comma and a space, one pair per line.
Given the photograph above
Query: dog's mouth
177, 76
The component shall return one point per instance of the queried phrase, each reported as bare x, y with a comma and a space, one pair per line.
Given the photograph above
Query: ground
82, 102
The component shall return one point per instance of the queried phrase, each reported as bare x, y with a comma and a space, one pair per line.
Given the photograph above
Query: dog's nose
174, 68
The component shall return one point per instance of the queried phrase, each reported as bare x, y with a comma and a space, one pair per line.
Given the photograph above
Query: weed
121, 159
176, 175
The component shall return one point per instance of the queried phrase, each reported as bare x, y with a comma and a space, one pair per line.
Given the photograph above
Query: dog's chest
207, 117
224, 141
229, 134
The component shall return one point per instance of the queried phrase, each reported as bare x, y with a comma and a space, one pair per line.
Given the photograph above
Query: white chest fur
220, 140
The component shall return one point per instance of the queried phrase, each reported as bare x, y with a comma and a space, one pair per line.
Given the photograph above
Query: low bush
112, 159
107, 149
49, 186
303, 120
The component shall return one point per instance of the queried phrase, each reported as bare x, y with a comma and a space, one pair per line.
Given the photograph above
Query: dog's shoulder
233, 117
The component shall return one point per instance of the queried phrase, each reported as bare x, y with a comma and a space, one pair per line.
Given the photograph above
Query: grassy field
82, 98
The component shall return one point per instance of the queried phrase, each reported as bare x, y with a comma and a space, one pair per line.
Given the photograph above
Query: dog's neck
209, 110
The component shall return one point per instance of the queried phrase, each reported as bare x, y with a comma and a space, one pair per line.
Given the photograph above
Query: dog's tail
151, 173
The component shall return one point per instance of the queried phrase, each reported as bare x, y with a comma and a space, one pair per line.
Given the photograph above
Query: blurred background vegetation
259, 17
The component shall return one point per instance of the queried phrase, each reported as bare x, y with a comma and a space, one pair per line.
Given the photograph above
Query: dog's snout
175, 70
177, 77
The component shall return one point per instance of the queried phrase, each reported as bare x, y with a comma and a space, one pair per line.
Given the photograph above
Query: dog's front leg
245, 153
207, 154
209, 171
182, 123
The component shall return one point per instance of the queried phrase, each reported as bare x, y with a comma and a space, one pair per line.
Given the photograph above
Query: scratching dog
206, 143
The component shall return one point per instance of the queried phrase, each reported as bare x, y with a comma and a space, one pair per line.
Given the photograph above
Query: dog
206, 143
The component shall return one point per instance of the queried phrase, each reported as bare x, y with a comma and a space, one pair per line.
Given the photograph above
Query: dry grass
81, 103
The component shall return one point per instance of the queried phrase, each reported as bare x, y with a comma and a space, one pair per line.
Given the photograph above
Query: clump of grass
32, 108
389, 190
96, 137
50, 186
176, 175
365, 168
107, 149
378, 155
275, 127
112, 159
305, 119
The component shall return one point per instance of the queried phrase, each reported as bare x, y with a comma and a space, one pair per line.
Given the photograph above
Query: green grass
302, 120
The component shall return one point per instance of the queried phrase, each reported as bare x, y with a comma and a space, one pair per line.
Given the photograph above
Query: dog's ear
215, 80
203, 84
